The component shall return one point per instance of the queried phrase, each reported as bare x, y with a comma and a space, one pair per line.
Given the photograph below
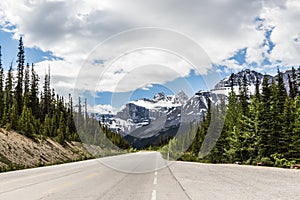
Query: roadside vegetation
40, 115
262, 129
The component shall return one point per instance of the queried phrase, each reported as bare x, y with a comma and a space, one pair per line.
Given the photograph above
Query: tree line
262, 129
25, 109
42, 114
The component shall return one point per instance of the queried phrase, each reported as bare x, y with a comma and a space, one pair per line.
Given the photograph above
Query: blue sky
170, 88
35, 55
261, 35
10, 51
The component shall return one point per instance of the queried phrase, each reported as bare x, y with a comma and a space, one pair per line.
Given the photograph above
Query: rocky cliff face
150, 121
144, 111
223, 86
251, 77
134, 112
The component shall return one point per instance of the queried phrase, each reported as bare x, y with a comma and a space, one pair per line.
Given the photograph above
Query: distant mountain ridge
150, 121
251, 76
223, 87
142, 112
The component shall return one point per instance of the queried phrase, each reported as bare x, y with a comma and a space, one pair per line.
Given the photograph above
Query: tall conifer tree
18, 93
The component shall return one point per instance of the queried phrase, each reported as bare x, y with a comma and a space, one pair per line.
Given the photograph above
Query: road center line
153, 195
155, 181
155, 173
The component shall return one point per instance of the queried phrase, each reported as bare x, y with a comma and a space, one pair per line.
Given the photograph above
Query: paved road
145, 175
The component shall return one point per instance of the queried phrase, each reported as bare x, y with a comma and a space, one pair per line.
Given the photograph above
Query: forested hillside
40, 115
25, 109
262, 129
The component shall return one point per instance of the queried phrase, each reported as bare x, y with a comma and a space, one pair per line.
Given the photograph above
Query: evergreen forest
262, 129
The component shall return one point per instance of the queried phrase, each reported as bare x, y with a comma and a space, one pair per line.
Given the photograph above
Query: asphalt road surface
145, 175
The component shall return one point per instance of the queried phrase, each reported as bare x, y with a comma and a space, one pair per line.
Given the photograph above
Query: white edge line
155, 181
153, 195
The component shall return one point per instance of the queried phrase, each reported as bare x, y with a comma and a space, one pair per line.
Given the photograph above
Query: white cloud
232, 64
72, 29
147, 87
103, 109
141, 68
285, 19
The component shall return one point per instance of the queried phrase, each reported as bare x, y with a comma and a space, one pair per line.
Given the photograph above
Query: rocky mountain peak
251, 77
159, 96
182, 97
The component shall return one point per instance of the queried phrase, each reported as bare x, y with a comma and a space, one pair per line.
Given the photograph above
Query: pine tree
22, 110
289, 117
275, 120
244, 98
282, 94
8, 97
26, 122
201, 132
265, 116
46, 96
54, 125
26, 85
70, 118
13, 116
18, 93
61, 132
233, 114
249, 132
233, 110
294, 83
33, 94
218, 153
257, 92
278, 107
80, 119
291, 87
9, 87
47, 126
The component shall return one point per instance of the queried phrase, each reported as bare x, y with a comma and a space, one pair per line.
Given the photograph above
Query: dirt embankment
18, 151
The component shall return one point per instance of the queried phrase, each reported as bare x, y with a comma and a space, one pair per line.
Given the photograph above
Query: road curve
145, 175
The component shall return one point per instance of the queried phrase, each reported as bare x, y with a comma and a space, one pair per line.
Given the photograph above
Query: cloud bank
267, 30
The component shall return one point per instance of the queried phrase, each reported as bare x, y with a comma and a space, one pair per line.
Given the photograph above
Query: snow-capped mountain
151, 121
223, 87
161, 101
142, 112
285, 78
197, 106
251, 77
